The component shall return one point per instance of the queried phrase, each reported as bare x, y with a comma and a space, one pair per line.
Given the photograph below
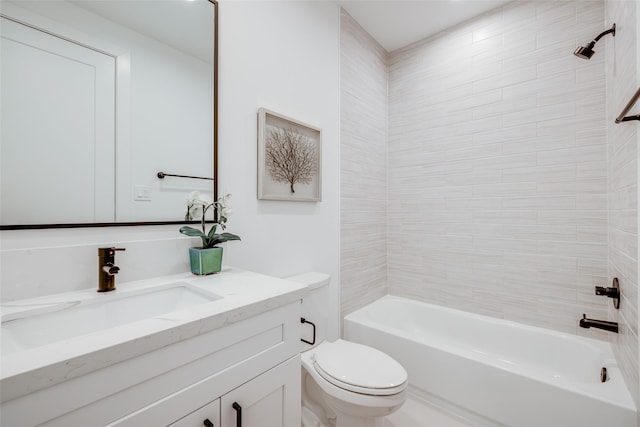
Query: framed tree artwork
289, 159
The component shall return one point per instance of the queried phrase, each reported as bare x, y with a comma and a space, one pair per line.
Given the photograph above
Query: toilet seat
358, 368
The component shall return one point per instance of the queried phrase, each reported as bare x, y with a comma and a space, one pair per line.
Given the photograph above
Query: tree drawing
290, 157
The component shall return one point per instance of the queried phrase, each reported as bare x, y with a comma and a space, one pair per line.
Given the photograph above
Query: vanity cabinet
253, 362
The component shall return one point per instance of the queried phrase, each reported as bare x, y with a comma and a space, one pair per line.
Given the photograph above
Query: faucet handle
109, 251
612, 292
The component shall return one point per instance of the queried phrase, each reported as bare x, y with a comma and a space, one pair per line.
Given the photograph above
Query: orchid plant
197, 207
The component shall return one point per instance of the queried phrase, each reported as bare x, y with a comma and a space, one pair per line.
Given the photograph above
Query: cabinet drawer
207, 416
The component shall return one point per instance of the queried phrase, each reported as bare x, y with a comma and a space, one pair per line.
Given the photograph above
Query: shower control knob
612, 292
609, 292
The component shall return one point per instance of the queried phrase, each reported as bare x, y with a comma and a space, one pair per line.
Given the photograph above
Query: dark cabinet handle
208, 423
238, 409
313, 341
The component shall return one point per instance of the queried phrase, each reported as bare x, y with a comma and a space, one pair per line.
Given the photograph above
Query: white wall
280, 55
283, 56
43, 262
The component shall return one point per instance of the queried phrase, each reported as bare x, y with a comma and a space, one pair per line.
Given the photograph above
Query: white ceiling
398, 23
393, 23
184, 25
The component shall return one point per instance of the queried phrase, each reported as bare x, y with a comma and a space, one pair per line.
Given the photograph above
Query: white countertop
244, 295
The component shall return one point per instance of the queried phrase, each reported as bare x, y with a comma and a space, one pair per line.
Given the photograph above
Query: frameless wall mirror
97, 97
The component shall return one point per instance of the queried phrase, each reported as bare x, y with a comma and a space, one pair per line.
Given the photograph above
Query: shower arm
611, 30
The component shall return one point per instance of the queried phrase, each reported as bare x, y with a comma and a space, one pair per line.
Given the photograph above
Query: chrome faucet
600, 324
107, 269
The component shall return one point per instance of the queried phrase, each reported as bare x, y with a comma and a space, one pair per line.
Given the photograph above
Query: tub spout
600, 324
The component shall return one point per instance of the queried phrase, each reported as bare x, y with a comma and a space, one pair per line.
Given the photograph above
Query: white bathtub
500, 372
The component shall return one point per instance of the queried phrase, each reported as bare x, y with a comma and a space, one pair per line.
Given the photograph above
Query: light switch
141, 193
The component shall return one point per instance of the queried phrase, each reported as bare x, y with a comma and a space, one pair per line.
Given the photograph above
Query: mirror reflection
97, 98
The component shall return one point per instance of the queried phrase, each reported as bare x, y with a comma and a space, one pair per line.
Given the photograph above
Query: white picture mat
270, 189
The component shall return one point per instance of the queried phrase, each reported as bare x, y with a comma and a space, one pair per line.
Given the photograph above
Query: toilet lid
359, 368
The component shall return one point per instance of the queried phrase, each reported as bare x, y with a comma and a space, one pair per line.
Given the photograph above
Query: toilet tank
315, 307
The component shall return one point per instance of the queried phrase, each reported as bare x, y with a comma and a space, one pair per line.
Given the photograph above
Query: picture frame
289, 159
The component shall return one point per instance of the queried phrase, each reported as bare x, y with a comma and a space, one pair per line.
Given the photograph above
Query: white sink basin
56, 322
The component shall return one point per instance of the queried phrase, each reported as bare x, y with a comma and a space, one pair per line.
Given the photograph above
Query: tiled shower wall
621, 77
363, 158
499, 201
498, 166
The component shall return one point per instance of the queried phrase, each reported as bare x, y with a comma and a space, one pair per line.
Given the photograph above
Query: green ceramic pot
205, 261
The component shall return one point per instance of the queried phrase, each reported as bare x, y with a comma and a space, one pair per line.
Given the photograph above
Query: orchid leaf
190, 231
229, 236
212, 232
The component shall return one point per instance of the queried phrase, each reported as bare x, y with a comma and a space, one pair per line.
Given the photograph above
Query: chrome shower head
587, 52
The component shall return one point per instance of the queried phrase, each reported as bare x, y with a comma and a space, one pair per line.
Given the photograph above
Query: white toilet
344, 384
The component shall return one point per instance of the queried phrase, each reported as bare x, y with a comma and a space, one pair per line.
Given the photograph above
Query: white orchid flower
195, 198
194, 212
197, 204
223, 210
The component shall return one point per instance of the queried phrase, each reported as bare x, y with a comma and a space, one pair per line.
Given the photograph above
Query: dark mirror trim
91, 224
215, 158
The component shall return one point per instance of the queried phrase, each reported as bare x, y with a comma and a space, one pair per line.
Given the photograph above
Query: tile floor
417, 413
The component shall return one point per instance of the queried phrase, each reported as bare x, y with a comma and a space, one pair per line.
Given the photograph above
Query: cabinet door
269, 400
207, 416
